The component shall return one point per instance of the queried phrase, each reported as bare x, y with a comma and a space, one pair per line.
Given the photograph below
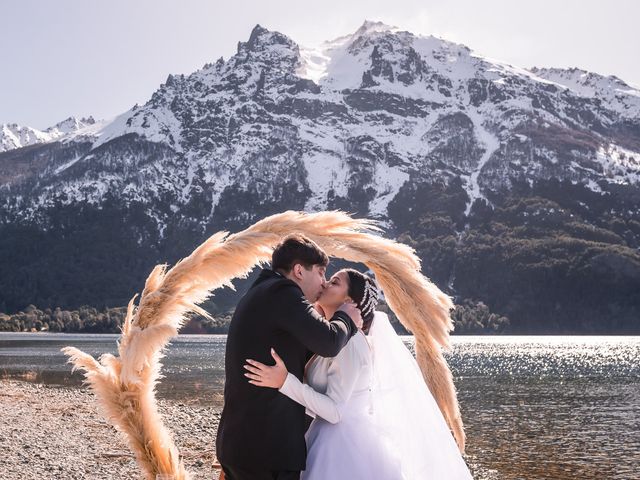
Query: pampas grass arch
124, 386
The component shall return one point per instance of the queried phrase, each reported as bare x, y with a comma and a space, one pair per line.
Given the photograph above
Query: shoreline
452, 334
53, 431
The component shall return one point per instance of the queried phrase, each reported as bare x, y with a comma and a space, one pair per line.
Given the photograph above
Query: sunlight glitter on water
534, 407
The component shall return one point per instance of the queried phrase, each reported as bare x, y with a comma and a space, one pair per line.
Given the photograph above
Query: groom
261, 431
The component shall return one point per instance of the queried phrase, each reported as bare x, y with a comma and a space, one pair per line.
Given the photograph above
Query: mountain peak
71, 124
261, 39
371, 26
257, 32
368, 28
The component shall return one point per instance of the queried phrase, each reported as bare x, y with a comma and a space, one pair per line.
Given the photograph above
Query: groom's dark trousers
232, 473
261, 431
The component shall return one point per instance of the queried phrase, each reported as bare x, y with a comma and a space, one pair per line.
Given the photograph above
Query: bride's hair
364, 292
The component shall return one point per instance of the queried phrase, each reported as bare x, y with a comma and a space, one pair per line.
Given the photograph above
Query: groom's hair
296, 248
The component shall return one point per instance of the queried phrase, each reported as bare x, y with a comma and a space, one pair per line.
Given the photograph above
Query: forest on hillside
468, 318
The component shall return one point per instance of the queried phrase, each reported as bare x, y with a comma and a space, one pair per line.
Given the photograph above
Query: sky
79, 58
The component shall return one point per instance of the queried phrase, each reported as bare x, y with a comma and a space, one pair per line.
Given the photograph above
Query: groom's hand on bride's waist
353, 311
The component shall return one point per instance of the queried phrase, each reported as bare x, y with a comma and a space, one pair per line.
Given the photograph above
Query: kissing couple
300, 347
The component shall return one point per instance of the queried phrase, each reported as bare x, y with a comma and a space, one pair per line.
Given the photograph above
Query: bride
374, 416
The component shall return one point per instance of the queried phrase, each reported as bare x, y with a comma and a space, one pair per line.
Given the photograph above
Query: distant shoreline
42, 332
468, 320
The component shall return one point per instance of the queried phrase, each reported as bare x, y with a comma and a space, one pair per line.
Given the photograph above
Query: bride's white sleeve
342, 375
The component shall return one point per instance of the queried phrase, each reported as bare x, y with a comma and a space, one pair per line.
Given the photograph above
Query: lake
534, 407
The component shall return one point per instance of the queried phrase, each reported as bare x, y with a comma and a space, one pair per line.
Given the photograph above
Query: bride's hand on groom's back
353, 311
263, 375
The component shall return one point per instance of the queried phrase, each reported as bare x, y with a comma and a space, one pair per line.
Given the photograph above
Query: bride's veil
405, 411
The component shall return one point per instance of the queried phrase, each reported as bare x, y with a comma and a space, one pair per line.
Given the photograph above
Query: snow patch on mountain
619, 165
156, 125
491, 144
66, 165
325, 171
388, 181
334, 63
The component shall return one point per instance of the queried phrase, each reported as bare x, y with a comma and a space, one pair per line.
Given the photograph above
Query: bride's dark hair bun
364, 291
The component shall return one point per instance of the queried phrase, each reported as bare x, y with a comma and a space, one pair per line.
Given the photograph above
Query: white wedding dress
375, 417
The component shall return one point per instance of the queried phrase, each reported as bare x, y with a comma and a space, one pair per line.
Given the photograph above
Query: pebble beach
49, 431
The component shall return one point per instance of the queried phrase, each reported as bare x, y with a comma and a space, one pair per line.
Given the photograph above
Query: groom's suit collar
269, 274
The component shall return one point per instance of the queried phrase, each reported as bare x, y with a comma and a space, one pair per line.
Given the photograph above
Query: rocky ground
49, 432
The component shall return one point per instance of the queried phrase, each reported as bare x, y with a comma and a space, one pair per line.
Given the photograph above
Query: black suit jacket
260, 428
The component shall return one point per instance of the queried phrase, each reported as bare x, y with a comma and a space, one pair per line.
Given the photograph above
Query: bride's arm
342, 375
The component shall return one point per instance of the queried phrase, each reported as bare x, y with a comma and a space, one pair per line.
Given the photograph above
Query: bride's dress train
374, 415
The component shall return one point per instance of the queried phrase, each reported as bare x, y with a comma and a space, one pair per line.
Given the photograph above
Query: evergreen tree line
469, 318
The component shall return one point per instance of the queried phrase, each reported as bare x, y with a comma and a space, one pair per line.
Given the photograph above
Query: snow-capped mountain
14, 136
348, 122
367, 122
